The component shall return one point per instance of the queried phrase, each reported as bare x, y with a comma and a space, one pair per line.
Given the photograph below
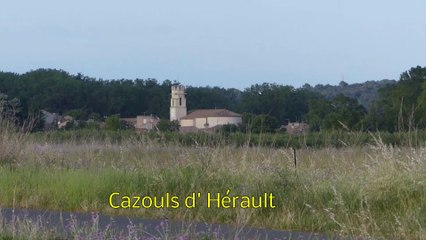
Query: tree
282, 102
213, 97
9, 108
319, 109
421, 102
264, 123
112, 123
402, 104
340, 112
165, 125
228, 128
78, 114
346, 112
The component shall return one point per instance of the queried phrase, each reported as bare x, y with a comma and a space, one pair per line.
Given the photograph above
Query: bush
112, 123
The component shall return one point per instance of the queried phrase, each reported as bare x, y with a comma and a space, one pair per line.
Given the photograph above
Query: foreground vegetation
373, 190
324, 139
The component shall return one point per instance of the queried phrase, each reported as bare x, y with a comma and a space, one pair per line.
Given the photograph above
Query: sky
231, 44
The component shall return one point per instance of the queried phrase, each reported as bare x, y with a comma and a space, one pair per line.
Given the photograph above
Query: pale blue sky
232, 43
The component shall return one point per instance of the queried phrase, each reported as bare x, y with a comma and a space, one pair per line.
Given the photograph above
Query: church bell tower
177, 103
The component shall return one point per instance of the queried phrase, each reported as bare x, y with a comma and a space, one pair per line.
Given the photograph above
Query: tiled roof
203, 113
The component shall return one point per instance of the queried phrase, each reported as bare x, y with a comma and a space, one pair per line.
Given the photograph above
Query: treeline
397, 106
366, 93
58, 91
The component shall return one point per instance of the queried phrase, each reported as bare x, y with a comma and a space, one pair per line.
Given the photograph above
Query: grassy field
370, 190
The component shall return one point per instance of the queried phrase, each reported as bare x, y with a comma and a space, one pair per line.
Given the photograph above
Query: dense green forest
383, 105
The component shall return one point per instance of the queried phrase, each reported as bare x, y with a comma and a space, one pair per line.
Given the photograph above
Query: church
198, 120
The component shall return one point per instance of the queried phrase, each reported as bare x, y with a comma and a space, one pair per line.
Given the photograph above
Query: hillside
365, 93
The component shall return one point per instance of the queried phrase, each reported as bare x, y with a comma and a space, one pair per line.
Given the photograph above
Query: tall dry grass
12, 140
374, 190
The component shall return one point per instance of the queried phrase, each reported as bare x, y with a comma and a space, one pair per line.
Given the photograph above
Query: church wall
214, 121
199, 123
187, 122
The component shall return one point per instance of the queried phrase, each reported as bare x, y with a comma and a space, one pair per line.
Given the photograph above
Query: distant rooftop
203, 113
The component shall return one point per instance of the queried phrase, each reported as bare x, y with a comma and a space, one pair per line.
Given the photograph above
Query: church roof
203, 113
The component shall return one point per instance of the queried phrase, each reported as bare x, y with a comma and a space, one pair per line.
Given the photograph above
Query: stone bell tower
177, 103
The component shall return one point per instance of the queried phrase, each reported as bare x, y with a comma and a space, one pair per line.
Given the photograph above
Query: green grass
373, 190
324, 139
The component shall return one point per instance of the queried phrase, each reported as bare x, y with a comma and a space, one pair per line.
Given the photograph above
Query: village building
295, 128
146, 123
177, 103
142, 123
130, 122
208, 119
198, 120
66, 121
50, 120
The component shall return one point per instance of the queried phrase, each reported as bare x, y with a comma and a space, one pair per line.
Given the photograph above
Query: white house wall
214, 121
187, 122
199, 123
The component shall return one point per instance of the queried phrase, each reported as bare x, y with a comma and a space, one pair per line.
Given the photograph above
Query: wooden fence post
294, 156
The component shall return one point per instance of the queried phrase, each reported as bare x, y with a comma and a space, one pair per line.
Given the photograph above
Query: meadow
369, 189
